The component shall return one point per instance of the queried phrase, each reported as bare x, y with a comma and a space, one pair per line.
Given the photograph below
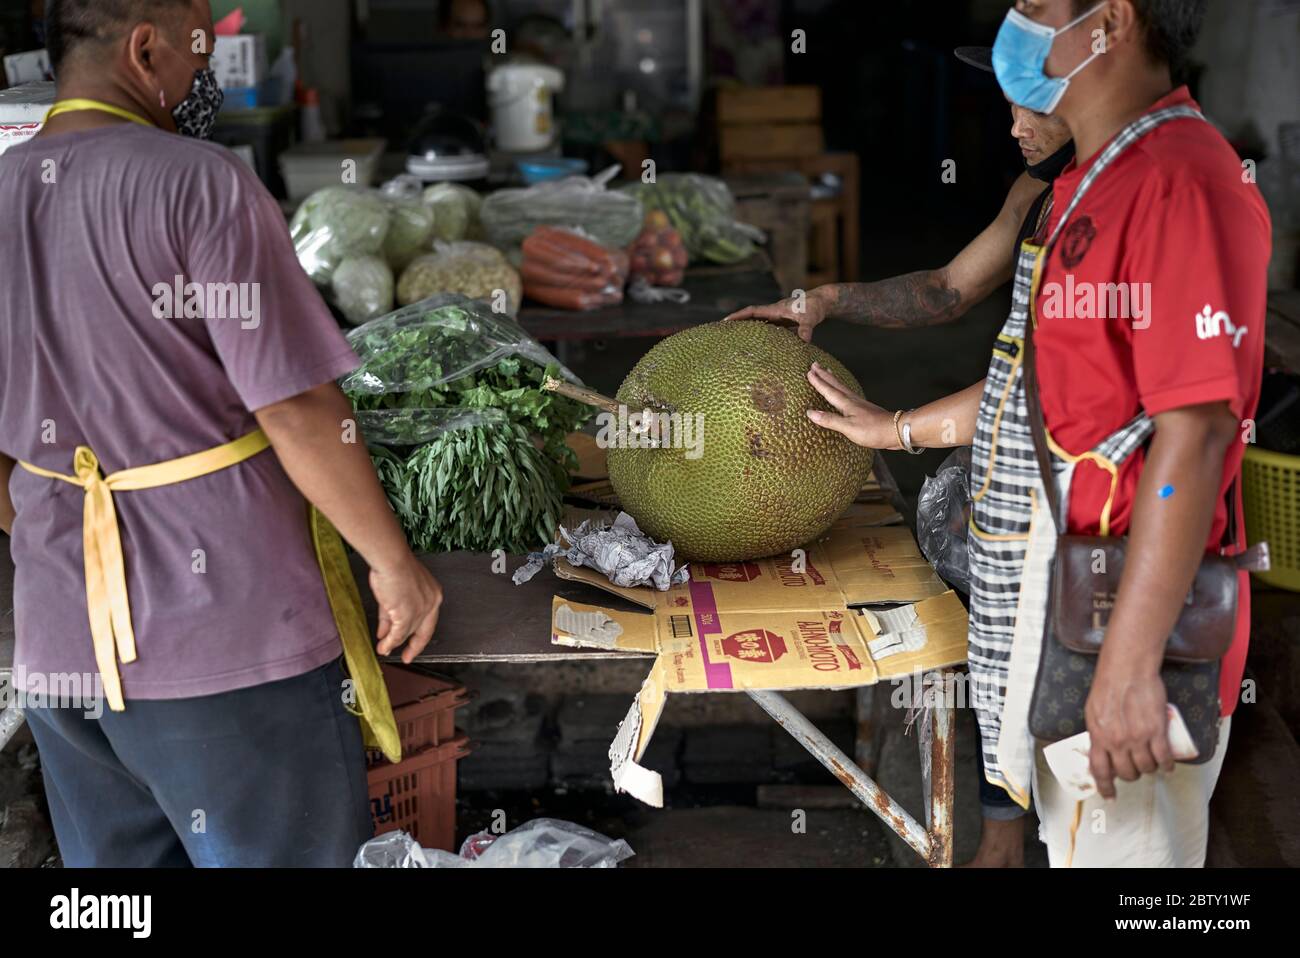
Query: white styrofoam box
240, 61
22, 111
308, 167
29, 67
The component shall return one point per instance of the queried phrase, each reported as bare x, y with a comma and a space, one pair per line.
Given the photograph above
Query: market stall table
715, 292
487, 618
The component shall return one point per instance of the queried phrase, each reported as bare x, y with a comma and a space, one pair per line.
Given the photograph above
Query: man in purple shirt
152, 309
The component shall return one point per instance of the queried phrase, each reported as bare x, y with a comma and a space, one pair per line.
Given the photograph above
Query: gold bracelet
898, 430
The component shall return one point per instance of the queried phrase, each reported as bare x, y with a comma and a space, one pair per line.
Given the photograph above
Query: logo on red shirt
1209, 326
1076, 241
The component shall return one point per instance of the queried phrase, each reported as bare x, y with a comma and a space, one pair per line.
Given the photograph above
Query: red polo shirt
1173, 222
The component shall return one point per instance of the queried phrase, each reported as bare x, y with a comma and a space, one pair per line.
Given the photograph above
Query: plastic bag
410, 355
474, 270
703, 211
355, 225
435, 341
541, 843
415, 425
410, 231
362, 288
403, 186
337, 222
659, 255
455, 209
943, 518
567, 270
611, 217
390, 850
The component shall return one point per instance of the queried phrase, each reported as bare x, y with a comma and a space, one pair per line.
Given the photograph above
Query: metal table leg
933, 842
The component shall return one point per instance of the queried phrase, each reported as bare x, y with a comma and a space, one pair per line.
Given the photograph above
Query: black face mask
1050, 168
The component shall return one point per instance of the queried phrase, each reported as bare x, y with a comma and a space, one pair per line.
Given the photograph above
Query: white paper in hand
1068, 758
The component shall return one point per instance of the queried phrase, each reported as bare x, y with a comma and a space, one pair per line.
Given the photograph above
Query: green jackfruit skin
769, 479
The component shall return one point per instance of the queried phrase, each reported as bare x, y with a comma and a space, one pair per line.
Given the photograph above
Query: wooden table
715, 292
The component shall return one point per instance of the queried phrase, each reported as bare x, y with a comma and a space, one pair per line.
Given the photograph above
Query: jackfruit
761, 478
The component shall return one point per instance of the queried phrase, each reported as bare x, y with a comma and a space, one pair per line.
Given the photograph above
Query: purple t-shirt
95, 228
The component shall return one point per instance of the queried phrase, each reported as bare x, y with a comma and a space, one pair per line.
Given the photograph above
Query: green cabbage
410, 226
363, 288
336, 222
455, 211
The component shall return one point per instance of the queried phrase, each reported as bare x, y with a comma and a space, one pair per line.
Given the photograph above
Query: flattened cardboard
788, 622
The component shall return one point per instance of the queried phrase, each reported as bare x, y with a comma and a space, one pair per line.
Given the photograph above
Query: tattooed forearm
913, 299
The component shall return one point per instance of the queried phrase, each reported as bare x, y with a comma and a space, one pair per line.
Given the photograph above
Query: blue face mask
1019, 53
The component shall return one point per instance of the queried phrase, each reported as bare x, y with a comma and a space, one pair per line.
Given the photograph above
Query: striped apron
1012, 539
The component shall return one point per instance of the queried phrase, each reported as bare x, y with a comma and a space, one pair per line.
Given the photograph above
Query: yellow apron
106, 594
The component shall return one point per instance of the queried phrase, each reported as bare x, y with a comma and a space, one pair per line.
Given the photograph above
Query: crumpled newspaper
626, 555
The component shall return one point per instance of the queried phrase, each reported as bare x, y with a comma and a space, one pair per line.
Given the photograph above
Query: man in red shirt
1151, 301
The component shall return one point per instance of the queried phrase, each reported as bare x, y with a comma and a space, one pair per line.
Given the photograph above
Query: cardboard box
239, 61
859, 606
30, 67
22, 112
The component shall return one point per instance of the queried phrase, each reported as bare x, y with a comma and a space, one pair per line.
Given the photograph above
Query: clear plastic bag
410, 355
410, 231
455, 210
703, 211
403, 186
362, 287
350, 225
568, 270
943, 519
541, 843
475, 270
412, 426
612, 218
337, 222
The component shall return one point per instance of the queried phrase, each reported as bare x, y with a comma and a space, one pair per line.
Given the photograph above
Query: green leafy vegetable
476, 455
480, 489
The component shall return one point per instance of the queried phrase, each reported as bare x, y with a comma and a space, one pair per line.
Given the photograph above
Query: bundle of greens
483, 488
468, 446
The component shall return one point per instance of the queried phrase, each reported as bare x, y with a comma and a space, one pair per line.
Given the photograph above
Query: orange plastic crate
424, 705
418, 794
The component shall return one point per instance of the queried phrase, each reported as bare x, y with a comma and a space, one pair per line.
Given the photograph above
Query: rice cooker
521, 97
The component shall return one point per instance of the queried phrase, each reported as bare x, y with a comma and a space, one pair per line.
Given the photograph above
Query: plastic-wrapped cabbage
474, 270
363, 288
336, 222
410, 227
455, 211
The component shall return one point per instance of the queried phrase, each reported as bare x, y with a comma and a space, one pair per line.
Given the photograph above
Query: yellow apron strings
77, 104
378, 725
107, 602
